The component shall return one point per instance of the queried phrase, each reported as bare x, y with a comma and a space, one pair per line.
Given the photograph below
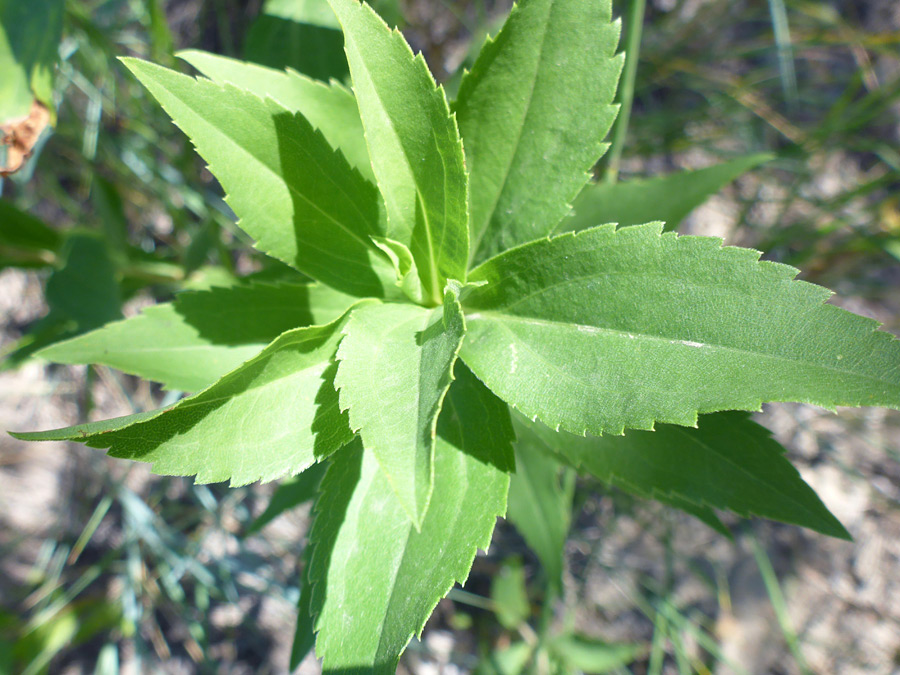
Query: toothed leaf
394, 368
728, 462
293, 193
533, 114
330, 108
376, 579
271, 417
192, 342
414, 144
607, 329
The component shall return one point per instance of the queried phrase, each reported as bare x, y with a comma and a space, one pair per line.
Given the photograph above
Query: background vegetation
103, 567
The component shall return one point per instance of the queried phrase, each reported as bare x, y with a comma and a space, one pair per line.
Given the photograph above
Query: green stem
633, 28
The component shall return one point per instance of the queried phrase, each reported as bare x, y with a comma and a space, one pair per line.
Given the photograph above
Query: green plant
443, 302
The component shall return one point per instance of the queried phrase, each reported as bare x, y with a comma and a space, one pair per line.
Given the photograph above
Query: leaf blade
331, 107
669, 198
414, 145
616, 329
728, 462
190, 343
318, 213
370, 598
528, 155
274, 416
540, 507
394, 407
290, 494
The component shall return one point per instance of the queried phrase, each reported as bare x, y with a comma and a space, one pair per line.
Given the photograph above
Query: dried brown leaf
20, 136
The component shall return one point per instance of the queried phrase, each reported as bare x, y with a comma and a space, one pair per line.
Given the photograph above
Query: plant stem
633, 29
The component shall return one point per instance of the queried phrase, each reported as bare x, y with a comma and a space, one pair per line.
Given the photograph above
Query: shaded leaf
540, 506
507, 661
510, 595
19, 229
82, 294
317, 214
330, 108
592, 656
606, 329
304, 632
300, 34
85, 290
30, 33
533, 114
290, 494
668, 198
728, 462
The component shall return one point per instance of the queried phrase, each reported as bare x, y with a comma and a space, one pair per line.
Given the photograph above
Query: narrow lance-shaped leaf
414, 145
191, 343
376, 579
531, 441
728, 462
540, 506
605, 329
330, 108
293, 193
291, 493
669, 198
21, 230
274, 416
395, 365
587, 655
533, 114
509, 592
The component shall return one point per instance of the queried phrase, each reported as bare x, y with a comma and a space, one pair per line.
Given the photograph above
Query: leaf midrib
742, 470
195, 402
433, 272
474, 247
411, 532
272, 172
583, 328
